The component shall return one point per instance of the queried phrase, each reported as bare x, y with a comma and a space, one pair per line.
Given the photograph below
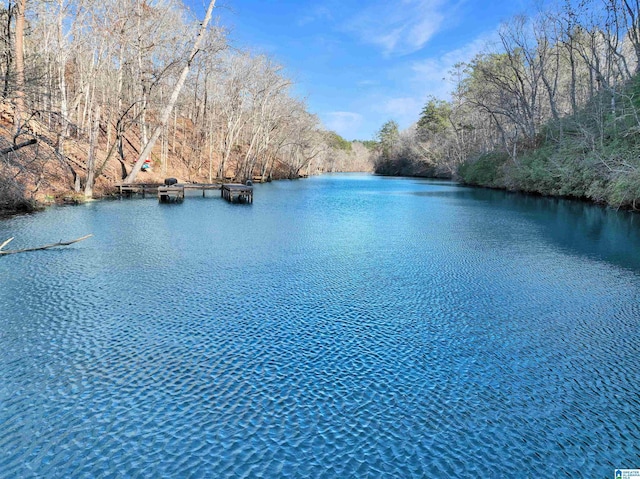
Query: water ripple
352, 334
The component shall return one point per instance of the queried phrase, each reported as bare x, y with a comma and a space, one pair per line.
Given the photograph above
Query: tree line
91, 83
552, 107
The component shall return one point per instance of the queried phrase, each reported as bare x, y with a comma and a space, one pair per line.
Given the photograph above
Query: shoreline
537, 194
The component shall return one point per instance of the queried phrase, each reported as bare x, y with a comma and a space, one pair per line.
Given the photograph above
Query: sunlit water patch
341, 326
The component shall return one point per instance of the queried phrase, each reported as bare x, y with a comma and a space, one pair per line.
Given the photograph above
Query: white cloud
403, 109
399, 27
319, 13
413, 82
345, 123
425, 78
432, 75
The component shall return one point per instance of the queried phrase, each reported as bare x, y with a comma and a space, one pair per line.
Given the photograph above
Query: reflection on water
342, 326
578, 227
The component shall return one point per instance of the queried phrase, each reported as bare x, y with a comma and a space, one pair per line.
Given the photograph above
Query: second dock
235, 192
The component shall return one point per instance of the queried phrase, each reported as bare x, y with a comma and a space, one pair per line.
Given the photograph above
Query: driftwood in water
61, 243
6, 243
6, 151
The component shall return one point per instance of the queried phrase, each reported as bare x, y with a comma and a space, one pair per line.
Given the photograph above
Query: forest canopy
551, 107
88, 81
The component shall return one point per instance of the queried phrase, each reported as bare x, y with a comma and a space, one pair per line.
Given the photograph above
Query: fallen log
61, 243
6, 151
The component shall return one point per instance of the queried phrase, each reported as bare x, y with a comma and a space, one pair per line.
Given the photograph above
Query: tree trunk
62, 82
8, 57
146, 151
91, 160
19, 56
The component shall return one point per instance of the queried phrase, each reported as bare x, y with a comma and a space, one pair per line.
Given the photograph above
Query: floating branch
6, 243
61, 243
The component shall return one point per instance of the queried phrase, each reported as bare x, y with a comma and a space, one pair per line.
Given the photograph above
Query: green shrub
534, 172
624, 190
486, 170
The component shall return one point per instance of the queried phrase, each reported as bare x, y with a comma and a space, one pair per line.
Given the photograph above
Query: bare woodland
91, 90
552, 106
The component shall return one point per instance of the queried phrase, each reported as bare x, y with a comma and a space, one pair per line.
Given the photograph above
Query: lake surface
341, 326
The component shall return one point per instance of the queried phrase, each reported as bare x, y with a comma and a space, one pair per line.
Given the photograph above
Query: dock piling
232, 192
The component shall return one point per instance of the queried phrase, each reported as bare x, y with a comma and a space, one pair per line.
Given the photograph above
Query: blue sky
361, 63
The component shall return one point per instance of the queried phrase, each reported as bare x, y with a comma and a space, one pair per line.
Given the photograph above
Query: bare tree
20, 107
174, 97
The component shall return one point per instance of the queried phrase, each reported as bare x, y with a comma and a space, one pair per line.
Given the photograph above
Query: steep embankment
594, 155
406, 166
40, 167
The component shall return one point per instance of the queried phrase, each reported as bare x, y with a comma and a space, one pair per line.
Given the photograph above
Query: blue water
341, 326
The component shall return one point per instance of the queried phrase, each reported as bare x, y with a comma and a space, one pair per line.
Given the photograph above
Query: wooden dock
142, 189
231, 192
204, 187
170, 194
237, 193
